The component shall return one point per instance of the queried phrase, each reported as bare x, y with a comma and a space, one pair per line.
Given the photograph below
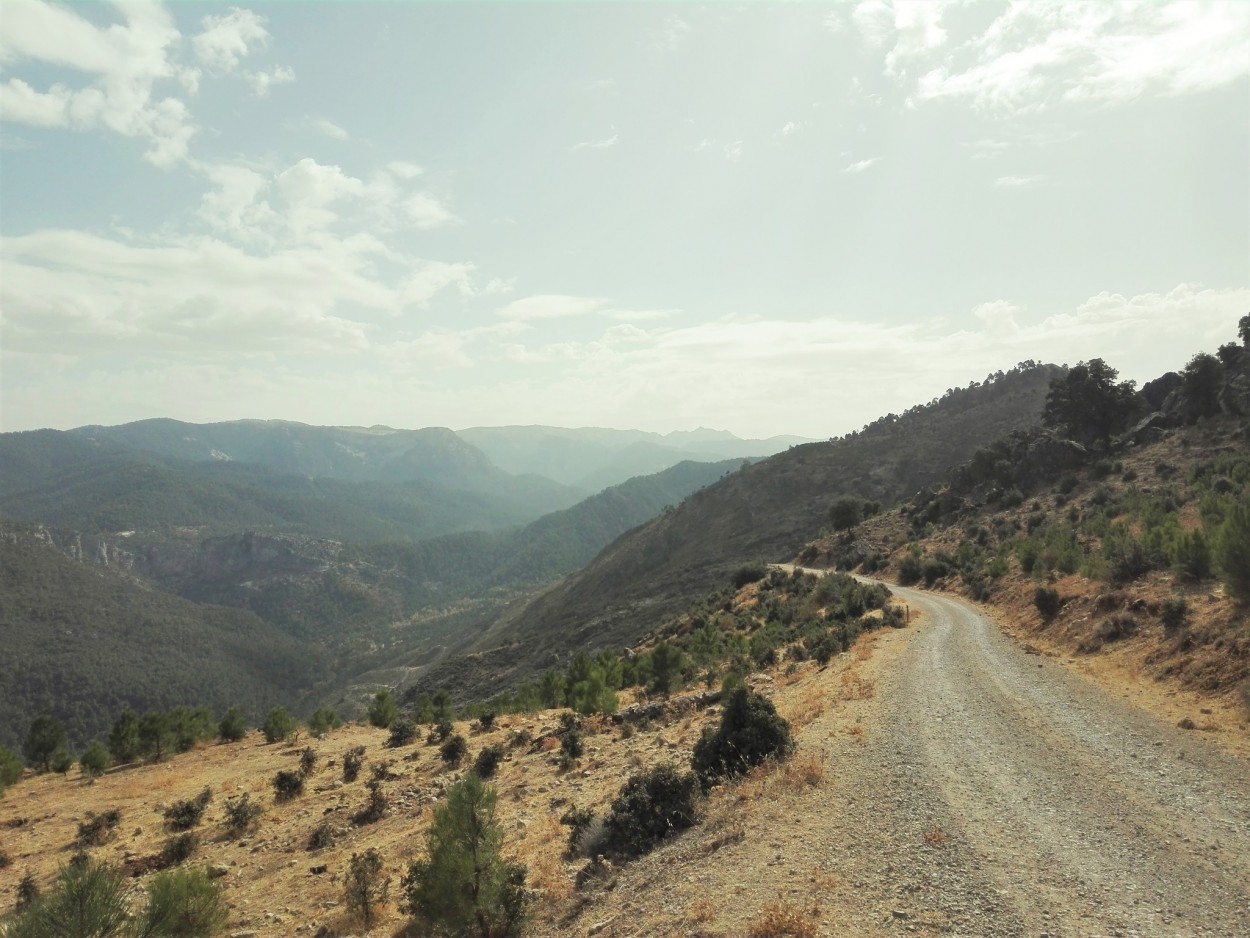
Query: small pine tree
89, 899
11, 768
383, 710
1232, 552
123, 739
95, 760
278, 726
454, 749
323, 721
287, 785
307, 761
232, 727
1191, 556
156, 735
44, 739
365, 890
463, 886
182, 904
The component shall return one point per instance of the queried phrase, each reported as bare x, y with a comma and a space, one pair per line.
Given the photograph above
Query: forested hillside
82, 642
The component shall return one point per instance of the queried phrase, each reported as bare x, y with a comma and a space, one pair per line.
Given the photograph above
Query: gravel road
1003, 796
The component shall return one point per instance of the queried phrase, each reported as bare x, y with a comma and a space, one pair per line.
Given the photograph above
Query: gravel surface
1000, 796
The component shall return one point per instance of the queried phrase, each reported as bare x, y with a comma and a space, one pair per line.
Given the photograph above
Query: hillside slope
762, 511
82, 642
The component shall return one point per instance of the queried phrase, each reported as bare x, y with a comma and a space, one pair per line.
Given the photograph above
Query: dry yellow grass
781, 919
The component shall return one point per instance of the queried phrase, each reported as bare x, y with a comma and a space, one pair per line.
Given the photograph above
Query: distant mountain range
593, 458
338, 549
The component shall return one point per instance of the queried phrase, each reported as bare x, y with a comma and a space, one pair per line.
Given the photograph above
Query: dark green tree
463, 887
1191, 556
45, 736
444, 712
1243, 329
1201, 381
667, 662
1088, 403
383, 709
191, 726
845, 513
123, 740
551, 689
156, 735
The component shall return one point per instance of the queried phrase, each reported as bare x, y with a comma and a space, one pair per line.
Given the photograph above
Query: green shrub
377, 804
184, 815
307, 761
182, 904
463, 886
1191, 556
287, 785
323, 720
1173, 613
321, 837
62, 761
750, 731
577, 820
403, 732
453, 749
1047, 601
178, 849
95, 760
232, 727
488, 761
651, 806
278, 726
97, 828
910, 570
365, 891
353, 759
383, 709
241, 813
748, 573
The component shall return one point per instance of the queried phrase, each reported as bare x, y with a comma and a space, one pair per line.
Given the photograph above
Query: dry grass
855, 687
804, 706
781, 919
702, 911
805, 770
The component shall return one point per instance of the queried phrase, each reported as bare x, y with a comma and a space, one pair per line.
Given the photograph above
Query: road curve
1004, 796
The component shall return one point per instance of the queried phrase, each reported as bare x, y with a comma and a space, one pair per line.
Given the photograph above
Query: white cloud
733, 151
122, 62
262, 80
225, 40
862, 165
551, 306
328, 128
600, 144
422, 285
789, 128
1035, 55
426, 211
1017, 182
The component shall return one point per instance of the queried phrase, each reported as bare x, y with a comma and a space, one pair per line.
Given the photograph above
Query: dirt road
1044, 806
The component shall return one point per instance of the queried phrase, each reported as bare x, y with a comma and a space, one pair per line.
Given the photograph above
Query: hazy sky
764, 218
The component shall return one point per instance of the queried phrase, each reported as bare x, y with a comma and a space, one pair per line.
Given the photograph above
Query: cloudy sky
764, 218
